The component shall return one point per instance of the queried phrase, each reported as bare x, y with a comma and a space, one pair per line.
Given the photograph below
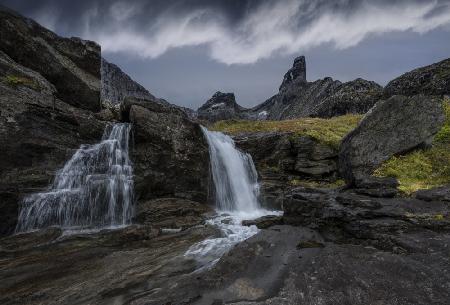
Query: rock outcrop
356, 97
38, 133
116, 86
221, 106
296, 73
71, 65
429, 80
169, 152
394, 126
282, 159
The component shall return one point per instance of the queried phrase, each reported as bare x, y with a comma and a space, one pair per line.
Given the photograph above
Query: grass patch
317, 184
422, 169
327, 131
14, 81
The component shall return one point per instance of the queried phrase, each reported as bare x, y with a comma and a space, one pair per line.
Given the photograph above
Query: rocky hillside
50, 100
221, 106
430, 80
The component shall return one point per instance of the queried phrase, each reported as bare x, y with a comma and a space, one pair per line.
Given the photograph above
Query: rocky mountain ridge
327, 98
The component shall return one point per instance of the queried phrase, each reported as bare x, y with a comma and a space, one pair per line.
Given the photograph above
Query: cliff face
71, 65
116, 85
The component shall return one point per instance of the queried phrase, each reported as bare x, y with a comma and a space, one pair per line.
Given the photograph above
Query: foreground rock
38, 133
71, 65
429, 80
169, 152
284, 158
393, 126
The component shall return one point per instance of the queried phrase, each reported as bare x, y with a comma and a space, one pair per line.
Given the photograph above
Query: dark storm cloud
233, 31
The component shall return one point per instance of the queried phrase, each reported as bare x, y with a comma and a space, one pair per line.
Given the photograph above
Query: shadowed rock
392, 127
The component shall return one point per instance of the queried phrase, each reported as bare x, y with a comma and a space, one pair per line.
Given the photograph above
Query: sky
185, 50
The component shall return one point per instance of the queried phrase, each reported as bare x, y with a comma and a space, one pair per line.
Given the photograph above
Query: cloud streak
244, 32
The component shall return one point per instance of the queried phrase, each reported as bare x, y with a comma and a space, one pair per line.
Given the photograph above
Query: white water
236, 194
93, 190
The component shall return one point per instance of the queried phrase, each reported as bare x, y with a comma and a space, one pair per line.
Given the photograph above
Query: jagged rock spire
297, 72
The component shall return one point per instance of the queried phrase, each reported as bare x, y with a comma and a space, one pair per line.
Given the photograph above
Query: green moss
422, 169
317, 184
308, 244
14, 81
327, 131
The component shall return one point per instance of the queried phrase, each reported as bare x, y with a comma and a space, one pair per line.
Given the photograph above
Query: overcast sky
185, 50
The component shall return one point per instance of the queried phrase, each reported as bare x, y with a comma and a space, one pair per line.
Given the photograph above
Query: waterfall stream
236, 196
94, 189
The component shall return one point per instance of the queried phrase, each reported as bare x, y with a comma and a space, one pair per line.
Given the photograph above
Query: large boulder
430, 80
169, 152
221, 106
394, 126
72, 65
38, 133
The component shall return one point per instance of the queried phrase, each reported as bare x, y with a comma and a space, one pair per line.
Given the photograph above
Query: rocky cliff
116, 85
50, 92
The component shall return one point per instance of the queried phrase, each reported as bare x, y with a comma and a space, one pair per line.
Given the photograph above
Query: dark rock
392, 127
169, 152
354, 97
429, 80
71, 65
434, 194
297, 72
321, 98
38, 133
221, 106
171, 213
116, 86
264, 222
376, 186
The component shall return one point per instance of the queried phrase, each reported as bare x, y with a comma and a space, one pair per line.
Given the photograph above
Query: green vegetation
422, 169
318, 184
14, 81
327, 131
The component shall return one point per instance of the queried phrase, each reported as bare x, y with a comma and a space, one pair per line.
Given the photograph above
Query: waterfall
94, 189
234, 175
236, 195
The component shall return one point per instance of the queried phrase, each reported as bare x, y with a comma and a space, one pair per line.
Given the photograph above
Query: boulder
72, 65
435, 194
394, 126
429, 80
169, 152
264, 222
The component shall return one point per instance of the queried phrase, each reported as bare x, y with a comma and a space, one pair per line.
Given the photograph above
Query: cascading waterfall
236, 193
234, 175
93, 190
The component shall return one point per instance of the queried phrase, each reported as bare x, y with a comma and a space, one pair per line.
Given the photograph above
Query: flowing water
236, 197
94, 189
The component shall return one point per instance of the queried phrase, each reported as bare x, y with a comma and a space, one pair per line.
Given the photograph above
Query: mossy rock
308, 244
